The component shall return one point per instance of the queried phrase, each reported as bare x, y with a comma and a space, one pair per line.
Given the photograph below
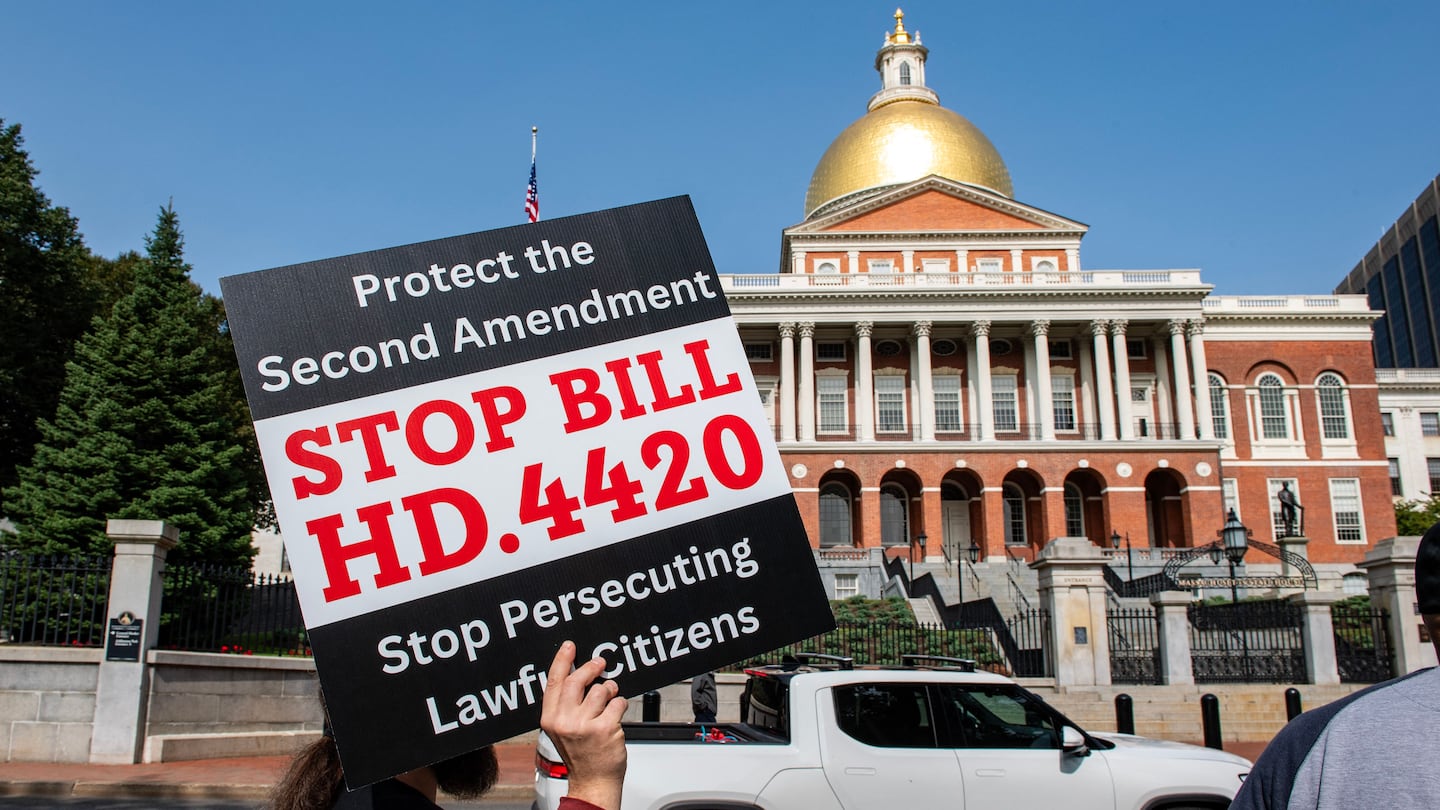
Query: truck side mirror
1073, 742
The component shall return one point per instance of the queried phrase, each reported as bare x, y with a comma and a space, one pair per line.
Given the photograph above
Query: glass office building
1401, 275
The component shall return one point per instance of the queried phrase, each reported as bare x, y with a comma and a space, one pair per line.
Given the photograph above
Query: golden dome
901, 142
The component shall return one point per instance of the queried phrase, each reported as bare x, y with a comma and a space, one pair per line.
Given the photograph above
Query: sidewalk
242, 778
252, 778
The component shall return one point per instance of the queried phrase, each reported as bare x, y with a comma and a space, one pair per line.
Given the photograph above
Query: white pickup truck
934, 733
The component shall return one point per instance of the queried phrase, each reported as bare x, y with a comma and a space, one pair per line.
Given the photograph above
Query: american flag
532, 193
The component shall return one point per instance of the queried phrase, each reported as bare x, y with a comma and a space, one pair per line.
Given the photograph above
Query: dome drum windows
1276, 430
1332, 401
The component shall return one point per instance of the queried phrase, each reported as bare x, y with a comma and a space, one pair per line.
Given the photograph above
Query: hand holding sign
582, 718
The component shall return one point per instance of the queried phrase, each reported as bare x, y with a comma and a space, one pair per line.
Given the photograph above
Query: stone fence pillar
1173, 615
1317, 630
1390, 566
1072, 591
135, 591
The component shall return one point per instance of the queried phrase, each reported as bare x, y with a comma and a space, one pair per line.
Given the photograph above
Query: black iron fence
1134, 646
1247, 642
53, 600
215, 609
886, 642
1362, 642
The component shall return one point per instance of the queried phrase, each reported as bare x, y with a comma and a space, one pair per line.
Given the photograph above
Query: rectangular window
1430, 424
832, 393
1061, 350
1277, 517
847, 585
1230, 496
890, 404
1387, 423
830, 352
1135, 348
989, 265
1395, 488
880, 266
935, 265
1003, 397
947, 403
1062, 393
1434, 465
1345, 504
759, 352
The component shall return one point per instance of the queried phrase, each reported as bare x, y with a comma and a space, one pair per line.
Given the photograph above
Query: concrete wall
47, 703
209, 693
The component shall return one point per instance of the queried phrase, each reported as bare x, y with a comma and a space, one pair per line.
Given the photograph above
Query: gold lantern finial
899, 37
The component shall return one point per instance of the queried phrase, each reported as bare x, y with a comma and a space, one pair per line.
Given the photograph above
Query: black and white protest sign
483, 445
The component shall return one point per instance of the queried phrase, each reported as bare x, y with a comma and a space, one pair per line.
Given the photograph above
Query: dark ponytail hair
314, 781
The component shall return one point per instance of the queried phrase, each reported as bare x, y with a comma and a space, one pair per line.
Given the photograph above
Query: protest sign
483, 445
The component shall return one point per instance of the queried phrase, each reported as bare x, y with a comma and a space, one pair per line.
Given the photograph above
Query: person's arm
583, 720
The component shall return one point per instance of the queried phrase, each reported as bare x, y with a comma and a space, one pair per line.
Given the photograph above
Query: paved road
35, 803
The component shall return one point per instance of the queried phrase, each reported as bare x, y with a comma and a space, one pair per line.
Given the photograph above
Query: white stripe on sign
390, 498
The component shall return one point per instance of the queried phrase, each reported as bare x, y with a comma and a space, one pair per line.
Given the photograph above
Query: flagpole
532, 193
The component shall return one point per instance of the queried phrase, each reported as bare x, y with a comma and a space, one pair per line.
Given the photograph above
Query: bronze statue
1290, 509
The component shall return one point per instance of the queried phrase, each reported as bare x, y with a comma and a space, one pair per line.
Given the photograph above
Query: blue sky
1266, 143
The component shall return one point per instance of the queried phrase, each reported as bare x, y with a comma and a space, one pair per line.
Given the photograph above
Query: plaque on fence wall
483, 445
126, 637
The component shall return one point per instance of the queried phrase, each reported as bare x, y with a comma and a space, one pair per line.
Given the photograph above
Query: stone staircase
1014, 588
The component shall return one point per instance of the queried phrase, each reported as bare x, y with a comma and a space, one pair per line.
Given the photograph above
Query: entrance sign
481, 446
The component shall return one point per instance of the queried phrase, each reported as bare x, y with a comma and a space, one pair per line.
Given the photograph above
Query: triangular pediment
934, 205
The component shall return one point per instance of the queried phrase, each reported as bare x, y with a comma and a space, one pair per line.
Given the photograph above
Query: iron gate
1362, 642
1247, 642
1134, 646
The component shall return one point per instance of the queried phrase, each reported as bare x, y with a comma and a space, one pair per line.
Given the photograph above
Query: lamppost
1129, 553
1234, 542
973, 552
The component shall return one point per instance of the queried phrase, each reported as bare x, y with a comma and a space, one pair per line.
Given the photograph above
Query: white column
787, 382
927, 386
1164, 409
854, 260
1015, 261
1044, 406
907, 261
1182, 380
1087, 390
985, 415
864, 384
972, 397
1072, 260
807, 382
1104, 394
1203, 415
798, 262
1123, 416
962, 261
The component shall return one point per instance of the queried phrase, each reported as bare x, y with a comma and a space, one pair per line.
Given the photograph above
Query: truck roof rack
838, 661
962, 664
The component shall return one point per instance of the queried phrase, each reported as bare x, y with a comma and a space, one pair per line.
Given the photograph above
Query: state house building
937, 361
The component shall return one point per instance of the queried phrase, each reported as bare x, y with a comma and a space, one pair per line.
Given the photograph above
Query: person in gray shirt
1369, 749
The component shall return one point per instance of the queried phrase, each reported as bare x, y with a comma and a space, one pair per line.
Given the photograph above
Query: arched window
1274, 417
1014, 517
894, 515
1334, 416
1074, 511
835, 515
904, 72
1219, 406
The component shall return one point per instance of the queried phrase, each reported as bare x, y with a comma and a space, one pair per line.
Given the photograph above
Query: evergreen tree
147, 425
48, 294
1417, 516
